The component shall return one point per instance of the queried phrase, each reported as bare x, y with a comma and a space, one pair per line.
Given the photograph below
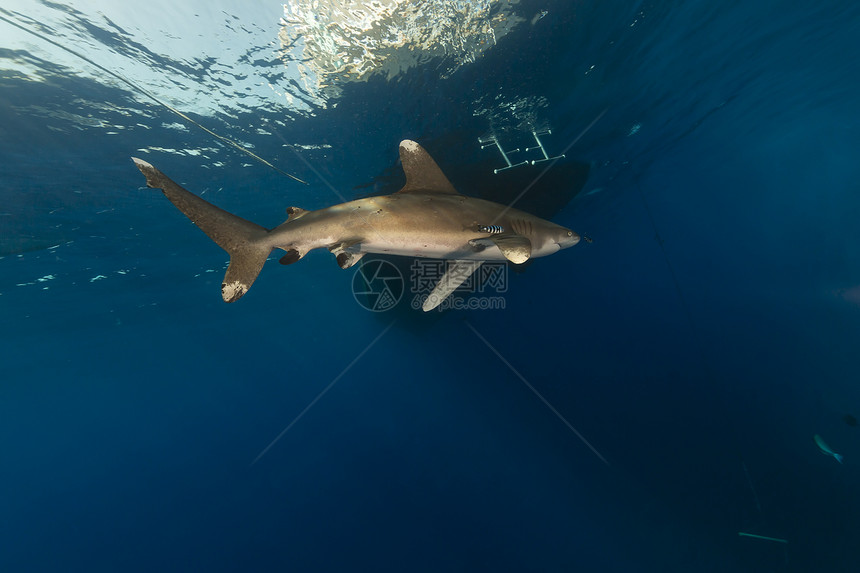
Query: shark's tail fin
243, 240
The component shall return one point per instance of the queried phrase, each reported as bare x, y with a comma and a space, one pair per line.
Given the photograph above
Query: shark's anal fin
458, 271
242, 239
515, 248
292, 256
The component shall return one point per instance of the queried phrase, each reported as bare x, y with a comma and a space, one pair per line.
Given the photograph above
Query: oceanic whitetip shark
426, 218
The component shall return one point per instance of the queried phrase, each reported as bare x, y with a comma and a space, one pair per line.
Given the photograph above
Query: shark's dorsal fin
422, 173
515, 248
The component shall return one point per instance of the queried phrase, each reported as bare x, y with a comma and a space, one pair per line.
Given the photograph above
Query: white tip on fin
515, 248
233, 291
422, 173
141, 164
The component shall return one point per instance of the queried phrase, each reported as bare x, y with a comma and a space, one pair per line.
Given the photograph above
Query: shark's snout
567, 239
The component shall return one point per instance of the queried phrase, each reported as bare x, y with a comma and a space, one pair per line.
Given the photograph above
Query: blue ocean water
642, 398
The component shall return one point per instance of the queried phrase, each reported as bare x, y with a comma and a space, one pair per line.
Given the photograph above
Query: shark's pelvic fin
346, 258
242, 239
515, 248
296, 212
422, 173
458, 271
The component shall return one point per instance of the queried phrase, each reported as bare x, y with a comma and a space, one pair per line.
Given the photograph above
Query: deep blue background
708, 332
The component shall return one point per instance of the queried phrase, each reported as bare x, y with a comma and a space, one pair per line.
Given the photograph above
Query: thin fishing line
510, 205
752, 487
707, 371
140, 90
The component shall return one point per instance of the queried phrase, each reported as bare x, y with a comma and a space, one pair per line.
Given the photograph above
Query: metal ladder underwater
491, 140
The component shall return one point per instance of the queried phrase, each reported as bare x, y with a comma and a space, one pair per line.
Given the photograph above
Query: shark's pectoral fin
458, 271
345, 253
515, 248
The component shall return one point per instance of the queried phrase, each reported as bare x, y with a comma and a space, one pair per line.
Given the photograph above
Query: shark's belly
427, 247
422, 226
